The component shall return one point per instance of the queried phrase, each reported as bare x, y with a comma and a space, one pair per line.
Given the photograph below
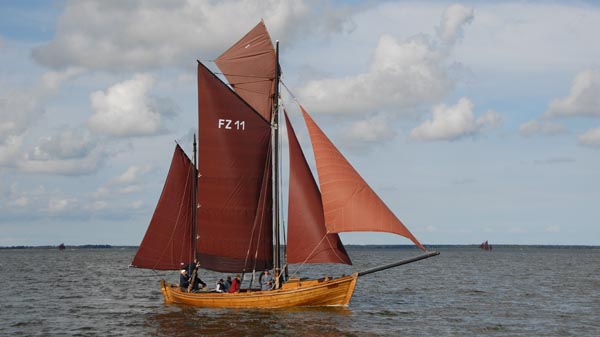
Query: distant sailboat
61, 246
485, 246
224, 211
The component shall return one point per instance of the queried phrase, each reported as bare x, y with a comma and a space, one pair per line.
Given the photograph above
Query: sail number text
229, 124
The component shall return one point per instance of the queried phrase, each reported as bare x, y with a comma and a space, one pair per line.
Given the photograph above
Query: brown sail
308, 241
168, 239
348, 201
249, 66
234, 231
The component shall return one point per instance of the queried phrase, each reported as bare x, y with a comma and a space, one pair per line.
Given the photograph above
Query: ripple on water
509, 292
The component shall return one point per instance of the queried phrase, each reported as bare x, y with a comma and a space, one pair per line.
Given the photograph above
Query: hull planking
294, 293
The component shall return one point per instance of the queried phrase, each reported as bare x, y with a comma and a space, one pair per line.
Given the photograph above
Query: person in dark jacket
184, 280
227, 284
193, 266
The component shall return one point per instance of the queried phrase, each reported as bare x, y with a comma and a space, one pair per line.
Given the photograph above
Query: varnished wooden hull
334, 292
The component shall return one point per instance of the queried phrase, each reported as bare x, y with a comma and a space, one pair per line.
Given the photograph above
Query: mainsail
348, 201
249, 66
308, 240
234, 180
168, 240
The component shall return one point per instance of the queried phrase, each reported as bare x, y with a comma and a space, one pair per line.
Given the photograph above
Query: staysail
249, 66
348, 201
308, 240
234, 231
168, 240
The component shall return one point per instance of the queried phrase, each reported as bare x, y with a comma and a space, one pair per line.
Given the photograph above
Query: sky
473, 121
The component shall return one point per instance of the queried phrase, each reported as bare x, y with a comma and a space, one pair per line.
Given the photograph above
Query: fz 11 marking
229, 124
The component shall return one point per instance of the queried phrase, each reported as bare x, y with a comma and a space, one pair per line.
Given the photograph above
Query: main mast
275, 142
195, 202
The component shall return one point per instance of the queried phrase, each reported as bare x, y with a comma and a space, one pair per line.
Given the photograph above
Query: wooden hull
294, 293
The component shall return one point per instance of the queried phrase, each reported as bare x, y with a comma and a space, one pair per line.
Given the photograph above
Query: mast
195, 202
275, 125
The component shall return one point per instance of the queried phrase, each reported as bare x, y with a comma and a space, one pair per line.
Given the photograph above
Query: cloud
10, 150
97, 205
18, 110
488, 120
68, 143
371, 130
554, 160
19, 202
401, 74
583, 99
454, 122
70, 151
132, 174
52, 80
71, 167
118, 35
361, 135
453, 20
126, 109
534, 127
590, 138
61, 205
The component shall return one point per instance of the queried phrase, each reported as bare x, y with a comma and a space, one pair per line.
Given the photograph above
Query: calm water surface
511, 291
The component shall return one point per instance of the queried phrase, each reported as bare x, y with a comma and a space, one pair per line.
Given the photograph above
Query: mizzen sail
308, 240
234, 180
348, 201
168, 240
249, 66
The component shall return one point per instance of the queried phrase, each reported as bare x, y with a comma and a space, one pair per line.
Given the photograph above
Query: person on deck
220, 286
227, 284
267, 281
235, 285
193, 266
184, 280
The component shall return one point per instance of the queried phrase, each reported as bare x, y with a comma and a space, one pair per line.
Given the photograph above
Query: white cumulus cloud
590, 138
401, 74
535, 127
453, 20
360, 135
454, 122
132, 174
138, 35
68, 143
126, 109
583, 99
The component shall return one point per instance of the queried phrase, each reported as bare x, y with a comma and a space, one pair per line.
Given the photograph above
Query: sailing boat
485, 245
223, 210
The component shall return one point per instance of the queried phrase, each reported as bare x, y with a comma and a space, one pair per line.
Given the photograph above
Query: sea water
510, 291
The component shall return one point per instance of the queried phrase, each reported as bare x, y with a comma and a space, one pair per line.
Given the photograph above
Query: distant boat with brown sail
221, 207
485, 246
